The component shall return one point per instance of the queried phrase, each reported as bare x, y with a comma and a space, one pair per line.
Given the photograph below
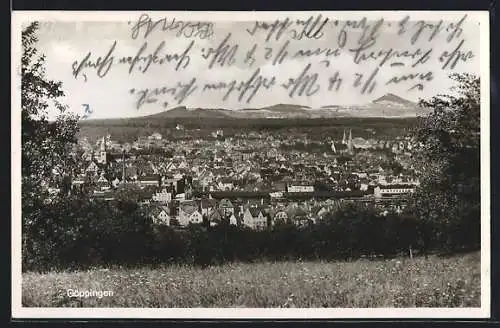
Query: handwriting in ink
422, 76
335, 81
224, 54
87, 111
327, 52
143, 62
312, 28
248, 88
180, 92
456, 29
250, 56
402, 25
369, 84
276, 29
102, 65
422, 26
280, 56
371, 33
418, 86
202, 30
362, 54
304, 83
450, 59
368, 36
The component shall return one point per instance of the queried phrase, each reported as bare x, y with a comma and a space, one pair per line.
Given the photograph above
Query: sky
65, 42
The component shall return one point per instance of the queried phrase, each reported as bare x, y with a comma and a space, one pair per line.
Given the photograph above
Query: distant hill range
387, 106
391, 99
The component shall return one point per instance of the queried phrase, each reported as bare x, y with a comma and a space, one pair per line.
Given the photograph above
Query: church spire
103, 151
349, 143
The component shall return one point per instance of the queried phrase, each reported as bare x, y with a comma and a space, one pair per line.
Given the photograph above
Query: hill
392, 99
386, 113
387, 106
183, 112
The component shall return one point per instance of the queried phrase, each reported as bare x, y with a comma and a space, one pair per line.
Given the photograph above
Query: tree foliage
46, 145
449, 160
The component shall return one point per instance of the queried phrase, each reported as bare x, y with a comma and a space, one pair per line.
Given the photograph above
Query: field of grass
419, 282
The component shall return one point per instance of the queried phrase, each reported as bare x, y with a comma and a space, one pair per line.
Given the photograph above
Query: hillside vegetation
432, 282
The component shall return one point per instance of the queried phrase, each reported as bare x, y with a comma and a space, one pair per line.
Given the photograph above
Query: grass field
433, 282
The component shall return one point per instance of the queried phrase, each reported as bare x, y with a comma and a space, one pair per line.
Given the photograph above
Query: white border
229, 313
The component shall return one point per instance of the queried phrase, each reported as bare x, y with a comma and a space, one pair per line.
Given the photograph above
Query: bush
79, 233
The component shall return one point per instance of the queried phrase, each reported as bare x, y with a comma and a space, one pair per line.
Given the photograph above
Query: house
164, 196
189, 213
160, 215
78, 181
207, 205
149, 180
225, 184
171, 167
102, 195
215, 217
296, 187
246, 154
92, 168
155, 136
297, 214
182, 166
276, 195
254, 218
103, 183
226, 206
393, 190
233, 220
280, 216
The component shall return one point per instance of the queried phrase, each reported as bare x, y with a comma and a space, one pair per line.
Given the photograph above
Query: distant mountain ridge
387, 106
392, 98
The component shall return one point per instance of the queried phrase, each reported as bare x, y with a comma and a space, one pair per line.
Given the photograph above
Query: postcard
233, 165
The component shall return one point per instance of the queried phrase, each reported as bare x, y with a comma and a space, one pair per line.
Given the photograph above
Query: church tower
349, 142
103, 151
343, 139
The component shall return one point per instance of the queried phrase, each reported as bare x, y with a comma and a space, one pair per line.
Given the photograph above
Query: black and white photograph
250, 164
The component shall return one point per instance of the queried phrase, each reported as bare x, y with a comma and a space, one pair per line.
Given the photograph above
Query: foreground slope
419, 282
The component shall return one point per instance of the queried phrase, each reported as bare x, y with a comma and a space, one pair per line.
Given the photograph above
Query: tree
449, 159
46, 146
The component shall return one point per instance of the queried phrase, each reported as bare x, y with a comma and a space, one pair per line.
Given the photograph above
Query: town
252, 179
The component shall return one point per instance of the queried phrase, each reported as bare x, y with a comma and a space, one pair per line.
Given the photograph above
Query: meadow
403, 282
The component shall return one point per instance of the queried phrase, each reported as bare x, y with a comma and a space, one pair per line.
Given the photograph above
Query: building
280, 216
393, 190
300, 186
155, 136
160, 215
227, 207
189, 213
149, 180
225, 184
163, 196
254, 218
